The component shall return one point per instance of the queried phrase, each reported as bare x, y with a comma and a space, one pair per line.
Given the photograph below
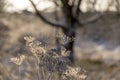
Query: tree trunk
70, 18
71, 33
70, 45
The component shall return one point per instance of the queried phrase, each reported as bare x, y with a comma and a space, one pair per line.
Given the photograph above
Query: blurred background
97, 35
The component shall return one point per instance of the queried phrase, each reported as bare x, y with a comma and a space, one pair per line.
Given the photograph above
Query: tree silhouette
70, 10
2, 4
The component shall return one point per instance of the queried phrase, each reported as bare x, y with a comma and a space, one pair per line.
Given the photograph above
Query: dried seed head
35, 46
64, 52
18, 60
29, 38
74, 73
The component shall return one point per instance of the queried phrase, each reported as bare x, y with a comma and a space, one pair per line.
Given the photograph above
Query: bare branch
56, 3
55, 24
118, 6
73, 1
92, 19
77, 8
66, 8
67, 11
56, 12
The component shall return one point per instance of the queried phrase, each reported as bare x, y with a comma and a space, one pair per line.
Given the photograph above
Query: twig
92, 19
55, 24
19, 72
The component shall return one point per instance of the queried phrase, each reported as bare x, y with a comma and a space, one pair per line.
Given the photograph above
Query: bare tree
117, 6
71, 11
2, 4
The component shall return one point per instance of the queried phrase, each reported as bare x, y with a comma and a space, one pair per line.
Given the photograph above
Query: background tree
69, 22
2, 4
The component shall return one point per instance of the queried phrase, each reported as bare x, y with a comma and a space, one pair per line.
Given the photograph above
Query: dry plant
18, 61
51, 64
63, 39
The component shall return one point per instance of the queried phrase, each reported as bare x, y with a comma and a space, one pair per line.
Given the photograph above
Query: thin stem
43, 73
38, 69
19, 72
